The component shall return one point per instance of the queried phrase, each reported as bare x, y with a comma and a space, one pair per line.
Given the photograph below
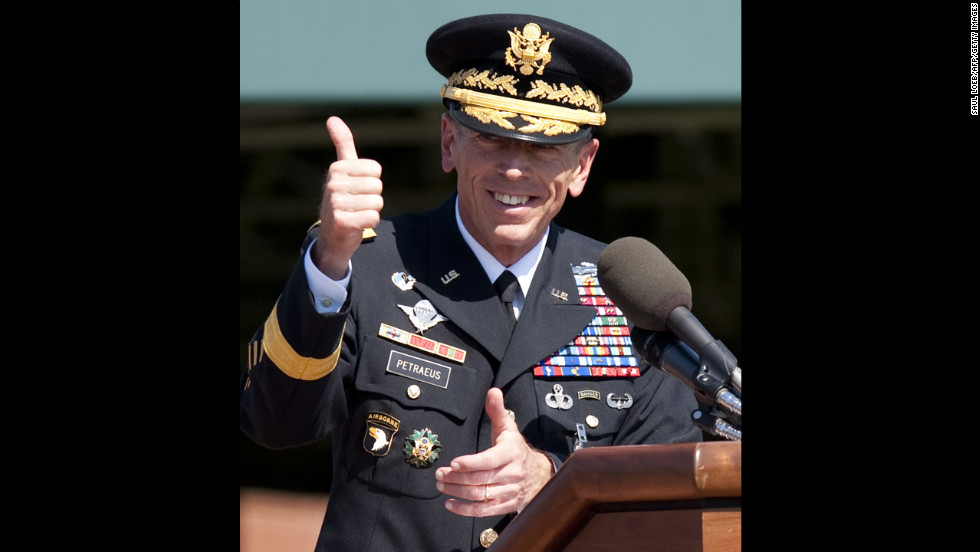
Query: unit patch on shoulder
380, 432
604, 347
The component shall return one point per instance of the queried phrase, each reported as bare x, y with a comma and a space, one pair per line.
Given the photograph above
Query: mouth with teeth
510, 199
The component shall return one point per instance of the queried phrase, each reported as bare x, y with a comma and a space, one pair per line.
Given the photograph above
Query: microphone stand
718, 381
724, 418
716, 426
711, 372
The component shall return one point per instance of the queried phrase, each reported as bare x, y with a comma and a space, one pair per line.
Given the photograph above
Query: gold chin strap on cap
534, 109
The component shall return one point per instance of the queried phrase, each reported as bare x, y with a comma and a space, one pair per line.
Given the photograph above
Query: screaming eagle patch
380, 432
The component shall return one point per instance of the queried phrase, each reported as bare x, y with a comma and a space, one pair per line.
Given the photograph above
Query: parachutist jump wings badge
423, 315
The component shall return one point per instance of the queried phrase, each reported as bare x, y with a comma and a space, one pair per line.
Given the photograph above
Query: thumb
342, 139
500, 418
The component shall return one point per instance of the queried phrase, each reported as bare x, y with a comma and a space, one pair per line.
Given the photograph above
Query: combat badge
381, 429
403, 280
422, 448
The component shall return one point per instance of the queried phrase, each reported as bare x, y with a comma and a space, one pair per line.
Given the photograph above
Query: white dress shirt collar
524, 267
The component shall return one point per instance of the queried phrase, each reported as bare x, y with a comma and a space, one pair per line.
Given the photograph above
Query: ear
446, 142
585, 159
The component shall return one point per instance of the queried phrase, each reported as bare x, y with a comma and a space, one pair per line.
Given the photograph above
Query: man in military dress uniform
391, 336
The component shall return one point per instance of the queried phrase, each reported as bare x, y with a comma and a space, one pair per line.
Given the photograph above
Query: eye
489, 138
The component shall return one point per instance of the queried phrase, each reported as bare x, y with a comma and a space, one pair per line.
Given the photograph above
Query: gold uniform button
487, 537
592, 421
413, 391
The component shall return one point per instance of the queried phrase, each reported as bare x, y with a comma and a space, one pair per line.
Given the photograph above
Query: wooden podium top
632, 478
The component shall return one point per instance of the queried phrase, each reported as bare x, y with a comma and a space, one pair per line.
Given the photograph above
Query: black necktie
507, 287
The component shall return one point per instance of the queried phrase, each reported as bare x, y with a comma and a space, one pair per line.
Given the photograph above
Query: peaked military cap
526, 77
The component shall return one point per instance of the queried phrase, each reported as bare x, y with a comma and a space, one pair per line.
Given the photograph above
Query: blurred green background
668, 168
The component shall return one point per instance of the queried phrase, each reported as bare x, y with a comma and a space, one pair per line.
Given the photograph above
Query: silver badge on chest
619, 403
423, 315
558, 399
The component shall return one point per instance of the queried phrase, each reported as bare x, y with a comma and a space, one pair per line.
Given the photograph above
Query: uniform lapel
456, 284
552, 316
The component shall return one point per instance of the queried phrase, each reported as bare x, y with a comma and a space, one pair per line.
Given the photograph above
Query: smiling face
510, 190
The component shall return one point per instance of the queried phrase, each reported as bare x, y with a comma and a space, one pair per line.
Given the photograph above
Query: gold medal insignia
422, 448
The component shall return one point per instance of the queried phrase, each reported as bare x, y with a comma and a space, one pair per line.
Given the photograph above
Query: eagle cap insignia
528, 49
423, 315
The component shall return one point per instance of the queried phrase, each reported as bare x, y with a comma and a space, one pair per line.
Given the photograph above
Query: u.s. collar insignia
563, 295
403, 280
423, 315
528, 49
422, 448
380, 432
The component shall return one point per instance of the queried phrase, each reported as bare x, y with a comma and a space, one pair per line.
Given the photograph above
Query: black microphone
665, 351
655, 296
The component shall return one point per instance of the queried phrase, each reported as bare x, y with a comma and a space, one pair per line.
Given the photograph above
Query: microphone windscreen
642, 282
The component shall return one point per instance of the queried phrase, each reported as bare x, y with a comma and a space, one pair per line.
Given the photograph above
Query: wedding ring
486, 493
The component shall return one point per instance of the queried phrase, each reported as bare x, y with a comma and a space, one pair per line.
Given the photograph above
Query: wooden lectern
683, 497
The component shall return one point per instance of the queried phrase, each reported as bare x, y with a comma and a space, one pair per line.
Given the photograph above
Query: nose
514, 160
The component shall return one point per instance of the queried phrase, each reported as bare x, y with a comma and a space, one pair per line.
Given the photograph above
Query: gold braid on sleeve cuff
288, 360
